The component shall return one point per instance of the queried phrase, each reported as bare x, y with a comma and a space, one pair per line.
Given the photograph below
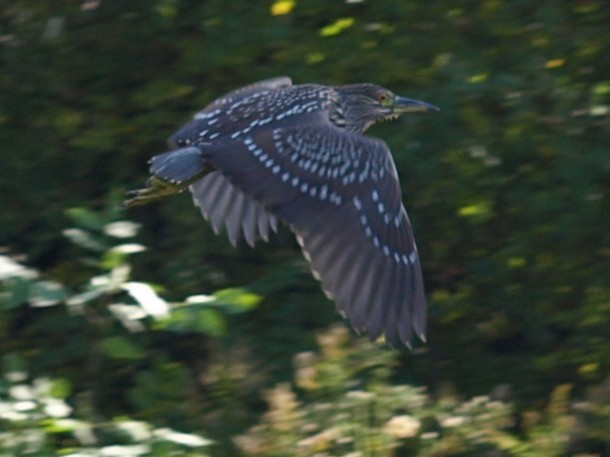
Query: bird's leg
158, 188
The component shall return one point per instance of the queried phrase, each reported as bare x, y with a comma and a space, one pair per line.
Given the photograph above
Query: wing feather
200, 125
224, 205
380, 303
221, 205
361, 282
234, 218
249, 223
397, 317
340, 194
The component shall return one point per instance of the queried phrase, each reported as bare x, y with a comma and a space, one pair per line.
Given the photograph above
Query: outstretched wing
220, 202
341, 196
202, 124
224, 205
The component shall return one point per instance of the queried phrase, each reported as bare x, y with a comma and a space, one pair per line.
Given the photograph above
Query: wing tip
393, 338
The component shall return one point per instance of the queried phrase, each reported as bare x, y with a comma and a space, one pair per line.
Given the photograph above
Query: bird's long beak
408, 105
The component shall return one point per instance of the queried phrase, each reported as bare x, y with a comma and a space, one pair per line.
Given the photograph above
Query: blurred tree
508, 186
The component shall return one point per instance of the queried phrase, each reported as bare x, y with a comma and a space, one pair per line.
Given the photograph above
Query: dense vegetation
142, 333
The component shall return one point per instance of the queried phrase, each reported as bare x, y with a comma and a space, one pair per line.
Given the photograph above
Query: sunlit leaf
337, 27
198, 299
62, 425
516, 262
129, 315
195, 317
602, 88
85, 239
600, 110
118, 276
129, 248
185, 439
10, 269
118, 255
148, 299
555, 63
54, 407
91, 293
236, 300
60, 388
122, 229
282, 7
478, 78
137, 430
475, 210
133, 450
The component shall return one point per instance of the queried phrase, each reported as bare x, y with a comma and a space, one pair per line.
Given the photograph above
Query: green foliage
37, 421
201, 313
344, 405
112, 322
507, 188
111, 293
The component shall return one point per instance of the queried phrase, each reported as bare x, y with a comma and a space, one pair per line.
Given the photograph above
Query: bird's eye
383, 98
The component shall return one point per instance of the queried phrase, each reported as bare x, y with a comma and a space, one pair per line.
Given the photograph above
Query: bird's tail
171, 173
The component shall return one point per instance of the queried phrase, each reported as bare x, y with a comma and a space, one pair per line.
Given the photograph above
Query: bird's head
366, 104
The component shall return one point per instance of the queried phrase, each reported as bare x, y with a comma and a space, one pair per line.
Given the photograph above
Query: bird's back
265, 106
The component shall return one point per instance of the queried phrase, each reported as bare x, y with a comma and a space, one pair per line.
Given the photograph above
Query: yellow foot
155, 189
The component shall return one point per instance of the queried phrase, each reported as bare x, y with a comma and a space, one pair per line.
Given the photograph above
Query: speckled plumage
273, 151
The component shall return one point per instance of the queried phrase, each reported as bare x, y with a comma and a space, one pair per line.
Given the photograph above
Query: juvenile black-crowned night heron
275, 151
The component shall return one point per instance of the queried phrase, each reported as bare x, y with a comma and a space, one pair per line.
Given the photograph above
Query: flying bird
273, 151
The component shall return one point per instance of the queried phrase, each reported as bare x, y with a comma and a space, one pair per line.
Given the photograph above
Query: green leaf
118, 255
185, 439
46, 293
146, 296
122, 229
194, 318
60, 388
337, 27
14, 293
236, 300
211, 322
63, 425
86, 219
11, 269
14, 367
118, 347
97, 287
85, 240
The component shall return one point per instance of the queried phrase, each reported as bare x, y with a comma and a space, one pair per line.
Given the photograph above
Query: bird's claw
155, 189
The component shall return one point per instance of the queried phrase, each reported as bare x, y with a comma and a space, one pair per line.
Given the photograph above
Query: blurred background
141, 333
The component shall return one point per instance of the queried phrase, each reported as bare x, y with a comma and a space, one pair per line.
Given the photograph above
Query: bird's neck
343, 117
